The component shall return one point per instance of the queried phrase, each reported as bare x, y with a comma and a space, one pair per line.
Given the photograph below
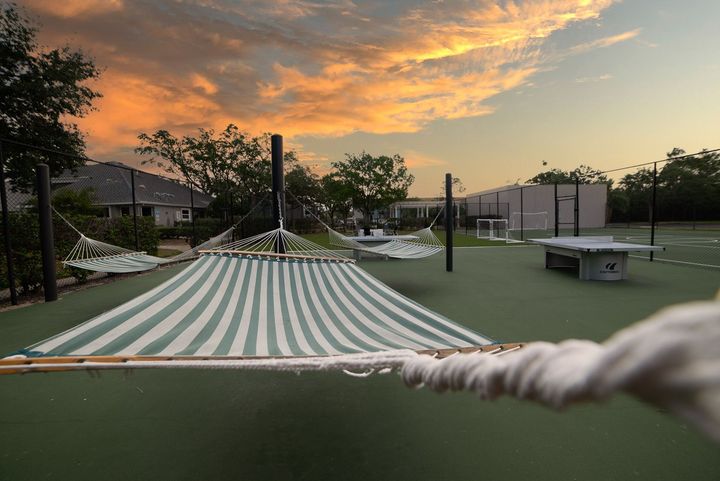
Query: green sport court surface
183, 424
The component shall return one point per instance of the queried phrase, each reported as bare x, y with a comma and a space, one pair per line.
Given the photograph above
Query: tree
585, 174
374, 182
40, 90
689, 187
303, 184
81, 202
231, 162
455, 184
336, 197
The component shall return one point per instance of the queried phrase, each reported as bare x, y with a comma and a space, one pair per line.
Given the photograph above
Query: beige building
503, 202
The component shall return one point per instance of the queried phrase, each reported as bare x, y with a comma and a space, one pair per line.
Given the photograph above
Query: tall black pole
577, 208
6, 232
448, 223
134, 209
522, 222
557, 213
47, 243
278, 187
193, 242
653, 218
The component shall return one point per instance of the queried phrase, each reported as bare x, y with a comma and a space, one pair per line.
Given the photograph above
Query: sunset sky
484, 89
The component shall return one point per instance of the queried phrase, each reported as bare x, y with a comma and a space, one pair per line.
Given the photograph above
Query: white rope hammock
280, 240
424, 244
94, 255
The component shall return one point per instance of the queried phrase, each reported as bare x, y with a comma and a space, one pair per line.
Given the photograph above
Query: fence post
6, 233
47, 244
134, 209
193, 240
652, 210
522, 220
448, 223
557, 214
278, 187
577, 207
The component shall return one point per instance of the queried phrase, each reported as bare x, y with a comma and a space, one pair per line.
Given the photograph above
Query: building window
124, 211
147, 211
185, 214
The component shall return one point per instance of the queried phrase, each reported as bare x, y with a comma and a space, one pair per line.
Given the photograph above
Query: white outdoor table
597, 257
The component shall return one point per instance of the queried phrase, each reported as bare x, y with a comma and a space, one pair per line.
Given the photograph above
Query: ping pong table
596, 257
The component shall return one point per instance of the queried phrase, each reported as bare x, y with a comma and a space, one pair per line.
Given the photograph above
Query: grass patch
163, 252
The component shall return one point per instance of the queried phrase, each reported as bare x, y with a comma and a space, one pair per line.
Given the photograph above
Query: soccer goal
525, 222
492, 229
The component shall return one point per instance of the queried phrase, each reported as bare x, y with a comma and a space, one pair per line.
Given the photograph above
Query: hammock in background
98, 256
424, 244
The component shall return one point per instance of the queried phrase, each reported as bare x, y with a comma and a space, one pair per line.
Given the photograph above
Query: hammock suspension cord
672, 360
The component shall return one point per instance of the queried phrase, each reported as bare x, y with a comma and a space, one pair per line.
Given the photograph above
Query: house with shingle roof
164, 199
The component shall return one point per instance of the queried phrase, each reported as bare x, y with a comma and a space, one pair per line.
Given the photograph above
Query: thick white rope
345, 362
671, 359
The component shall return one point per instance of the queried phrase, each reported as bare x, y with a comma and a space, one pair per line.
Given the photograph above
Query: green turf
460, 239
248, 425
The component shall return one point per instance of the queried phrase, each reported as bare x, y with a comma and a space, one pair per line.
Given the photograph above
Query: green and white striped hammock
243, 301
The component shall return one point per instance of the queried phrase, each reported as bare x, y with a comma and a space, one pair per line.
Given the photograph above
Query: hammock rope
672, 360
95, 255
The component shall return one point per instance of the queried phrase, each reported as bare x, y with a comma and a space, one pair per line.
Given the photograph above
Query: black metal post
652, 210
47, 244
6, 233
134, 210
577, 208
466, 216
278, 186
522, 220
448, 223
193, 242
497, 205
557, 213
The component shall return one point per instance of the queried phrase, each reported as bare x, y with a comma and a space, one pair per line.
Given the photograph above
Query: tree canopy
688, 188
585, 174
374, 182
335, 196
41, 90
232, 161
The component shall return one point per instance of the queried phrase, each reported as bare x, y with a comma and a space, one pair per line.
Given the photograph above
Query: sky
486, 90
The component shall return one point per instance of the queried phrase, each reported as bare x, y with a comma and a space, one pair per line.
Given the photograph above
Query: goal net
528, 221
492, 229
522, 224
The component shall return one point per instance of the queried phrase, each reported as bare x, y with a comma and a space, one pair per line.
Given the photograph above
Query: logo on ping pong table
610, 266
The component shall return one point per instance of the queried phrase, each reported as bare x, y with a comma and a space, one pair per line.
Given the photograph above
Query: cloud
605, 41
76, 8
305, 67
416, 160
599, 78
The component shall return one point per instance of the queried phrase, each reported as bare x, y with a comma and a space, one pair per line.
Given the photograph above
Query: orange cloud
303, 67
75, 8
